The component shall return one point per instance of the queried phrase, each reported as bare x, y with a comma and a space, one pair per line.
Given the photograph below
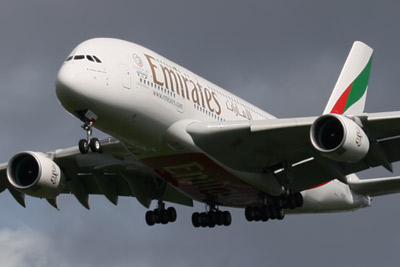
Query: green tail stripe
359, 86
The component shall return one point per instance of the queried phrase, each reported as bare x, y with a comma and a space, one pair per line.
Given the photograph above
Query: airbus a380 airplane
176, 138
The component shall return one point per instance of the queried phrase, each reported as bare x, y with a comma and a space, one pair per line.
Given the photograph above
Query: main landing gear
160, 215
213, 217
89, 142
274, 208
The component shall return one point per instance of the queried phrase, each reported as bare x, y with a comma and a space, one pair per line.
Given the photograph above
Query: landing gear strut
89, 142
160, 215
213, 217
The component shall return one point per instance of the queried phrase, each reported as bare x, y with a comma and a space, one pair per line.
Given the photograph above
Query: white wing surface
263, 146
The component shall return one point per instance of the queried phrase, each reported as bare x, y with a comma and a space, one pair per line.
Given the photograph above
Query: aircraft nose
69, 87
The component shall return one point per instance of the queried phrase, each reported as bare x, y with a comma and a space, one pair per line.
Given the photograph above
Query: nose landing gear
89, 142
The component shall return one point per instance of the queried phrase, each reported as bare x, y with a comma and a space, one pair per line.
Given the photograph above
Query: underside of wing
113, 173
273, 145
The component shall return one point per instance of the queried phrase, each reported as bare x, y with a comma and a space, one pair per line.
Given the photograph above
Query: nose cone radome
70, 88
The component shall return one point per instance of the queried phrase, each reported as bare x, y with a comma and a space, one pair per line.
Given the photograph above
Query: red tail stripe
341, 103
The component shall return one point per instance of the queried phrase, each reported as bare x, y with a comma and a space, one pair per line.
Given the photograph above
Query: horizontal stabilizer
376, 186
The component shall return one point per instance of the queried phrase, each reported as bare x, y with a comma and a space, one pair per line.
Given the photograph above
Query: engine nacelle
339, 138
34, 174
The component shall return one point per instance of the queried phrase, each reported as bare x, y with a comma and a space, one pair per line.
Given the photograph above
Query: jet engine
34, 174
339, 138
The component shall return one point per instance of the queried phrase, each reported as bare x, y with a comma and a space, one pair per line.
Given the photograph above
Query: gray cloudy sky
283, 56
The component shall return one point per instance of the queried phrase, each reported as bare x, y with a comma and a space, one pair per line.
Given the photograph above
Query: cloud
26, 247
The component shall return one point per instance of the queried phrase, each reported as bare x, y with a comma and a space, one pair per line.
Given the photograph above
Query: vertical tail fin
350, 92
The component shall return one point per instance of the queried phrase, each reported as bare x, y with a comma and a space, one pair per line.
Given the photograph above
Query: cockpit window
91, 58
97, 59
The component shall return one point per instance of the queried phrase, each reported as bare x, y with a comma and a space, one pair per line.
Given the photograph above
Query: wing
253, 145
269, 145
112, 173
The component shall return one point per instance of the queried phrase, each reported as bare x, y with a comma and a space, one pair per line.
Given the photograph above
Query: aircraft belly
202, 179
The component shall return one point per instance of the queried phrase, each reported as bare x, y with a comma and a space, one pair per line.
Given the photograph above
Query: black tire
249, 214
227, 218
171, 214
211, 219
280, 214
83, 146
150, 218
163, 216
274, 214
291, 202
157, 216
299, 199
95, 145
265, 213
203, 219
196, 219
282, 202
219, 218
257, 214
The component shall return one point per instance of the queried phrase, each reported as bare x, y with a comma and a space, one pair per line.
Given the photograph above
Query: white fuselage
146, 101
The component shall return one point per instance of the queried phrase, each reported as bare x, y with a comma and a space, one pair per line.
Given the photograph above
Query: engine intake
34, 174
339, 138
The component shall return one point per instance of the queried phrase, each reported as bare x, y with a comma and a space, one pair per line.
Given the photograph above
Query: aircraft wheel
83, 146
249, 214
157, 216
196, 219
257, 214
264, 213
299, 199
219, 220
95, 145
171, 214
274, 214
203, 219
150, 218
282, 202
211, 219
291, 202
227, 218
163, 214
280, 214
